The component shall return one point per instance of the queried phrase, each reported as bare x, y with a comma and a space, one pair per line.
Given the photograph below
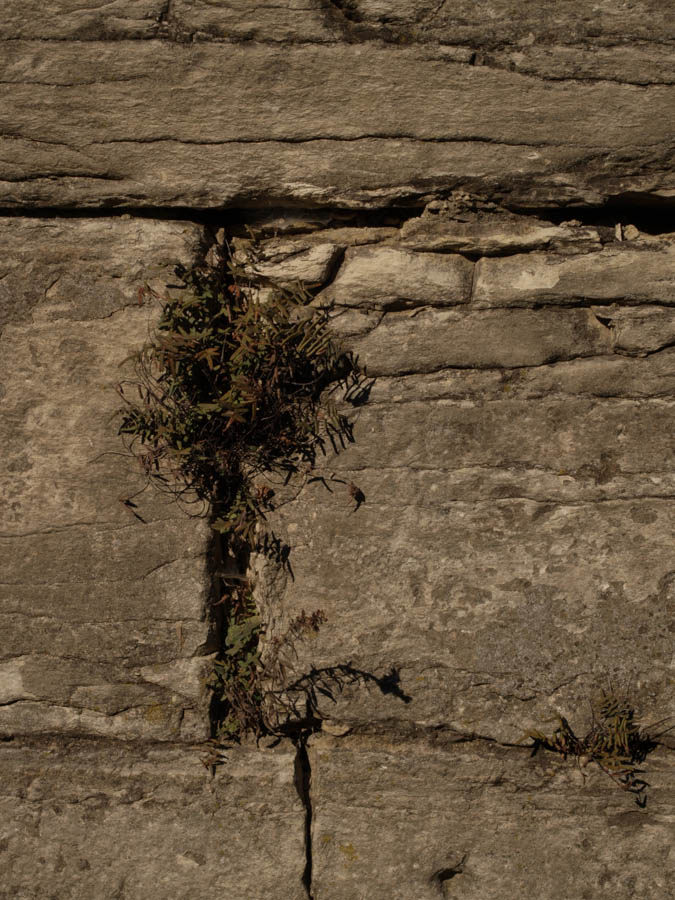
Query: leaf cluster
616, 742
249, 687
231, 387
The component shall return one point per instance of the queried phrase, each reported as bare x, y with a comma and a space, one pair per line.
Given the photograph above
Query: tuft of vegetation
616, 742
232, 389
251, 691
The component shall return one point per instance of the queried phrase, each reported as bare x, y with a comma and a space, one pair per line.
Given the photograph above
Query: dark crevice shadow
303, 785
442, 876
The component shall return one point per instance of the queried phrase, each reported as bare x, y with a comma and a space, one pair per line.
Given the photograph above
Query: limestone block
238, 20
505, 21
102, 611
479, 615
638, 330
286, 262
513, 546
96, 818
488, 235
70, 20
428, 818
430, 339
385, 277
627, 273
633, 62
92, 123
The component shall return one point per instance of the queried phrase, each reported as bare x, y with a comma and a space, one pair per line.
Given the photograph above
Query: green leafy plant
233, 388
616, 742
251, 689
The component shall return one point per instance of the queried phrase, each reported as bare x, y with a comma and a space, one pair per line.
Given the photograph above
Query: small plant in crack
616, 742
251, 690
232, 391
230, 388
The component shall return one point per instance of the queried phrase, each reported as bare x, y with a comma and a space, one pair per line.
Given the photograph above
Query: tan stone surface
388, 276
429, 340
426, 818
152, 122
511, 546
103, 614
627, 272
86, 818
514, 545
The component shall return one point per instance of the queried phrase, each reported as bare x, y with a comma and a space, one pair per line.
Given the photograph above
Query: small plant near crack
251, 690
616, 742
233, 390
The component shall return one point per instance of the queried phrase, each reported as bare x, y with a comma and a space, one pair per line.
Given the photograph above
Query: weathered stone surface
103, 614
445, 228
514, 540
240, 20
638, 330
71, 20
84, 819
496, 542
555, 42
631, 273
180, 20
92, 128
382, 277
288, 262
504, 20
428, 819
430, 339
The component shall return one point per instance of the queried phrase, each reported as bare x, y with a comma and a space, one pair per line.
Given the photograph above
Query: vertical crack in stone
303, 785
164, 13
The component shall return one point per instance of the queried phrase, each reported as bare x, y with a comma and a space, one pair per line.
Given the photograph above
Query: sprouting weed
232, 389
616, 742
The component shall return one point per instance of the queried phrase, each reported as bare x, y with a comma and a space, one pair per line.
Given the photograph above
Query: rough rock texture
493, 546
511, 554
111, 820
99, 637
199, 104
473, 821
516, 467
104, 616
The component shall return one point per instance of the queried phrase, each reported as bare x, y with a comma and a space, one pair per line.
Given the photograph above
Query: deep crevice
441, 876
346, 8
303, 785
648, 212
235, 219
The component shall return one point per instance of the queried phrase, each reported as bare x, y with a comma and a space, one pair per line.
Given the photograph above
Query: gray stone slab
103, 614
94, 123
444, 228
99, 818
638, 330
428, 340
427, 819
477, 615
384, 277
513, 539
635, 272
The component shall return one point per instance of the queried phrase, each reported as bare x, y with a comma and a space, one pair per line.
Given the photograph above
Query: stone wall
481, 195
